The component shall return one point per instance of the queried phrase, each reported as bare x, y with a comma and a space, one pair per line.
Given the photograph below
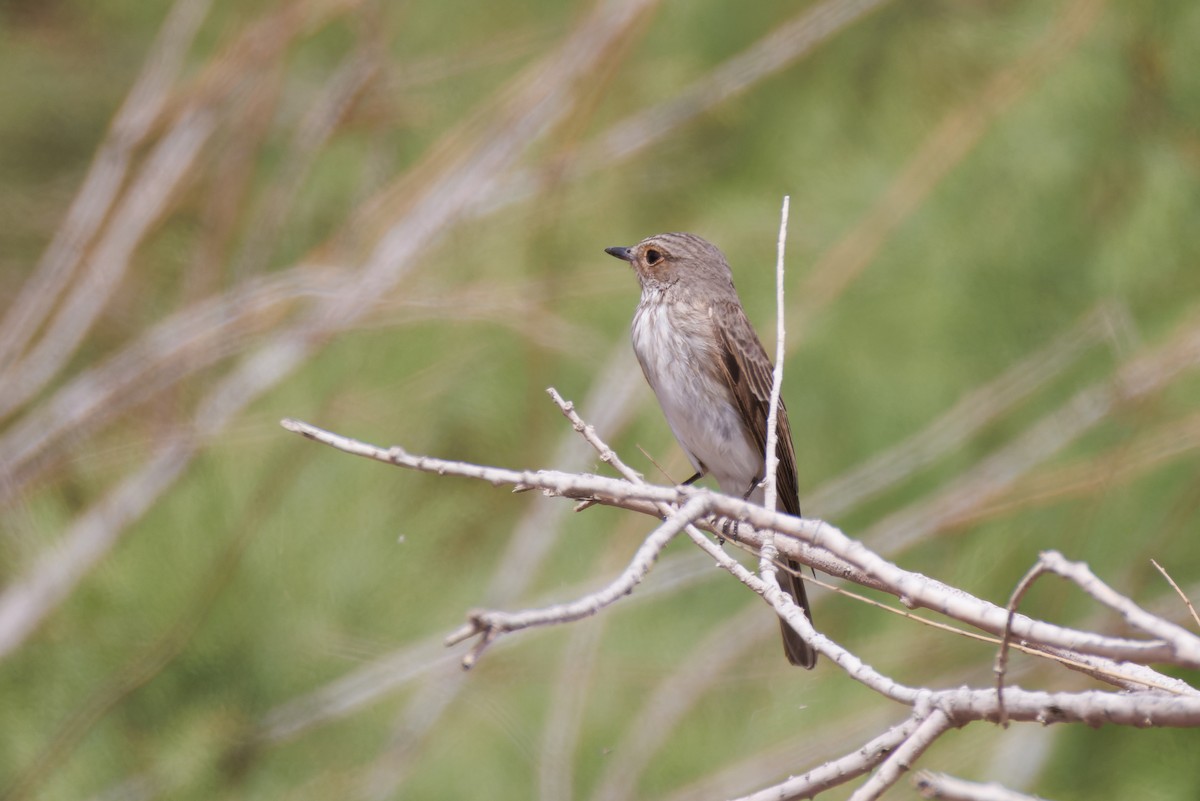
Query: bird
712, 377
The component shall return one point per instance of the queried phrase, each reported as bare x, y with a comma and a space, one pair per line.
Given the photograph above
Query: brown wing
747, 370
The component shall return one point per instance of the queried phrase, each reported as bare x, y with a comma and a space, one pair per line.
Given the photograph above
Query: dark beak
620, 253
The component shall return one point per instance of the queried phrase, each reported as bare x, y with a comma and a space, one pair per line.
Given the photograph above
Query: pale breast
680, 358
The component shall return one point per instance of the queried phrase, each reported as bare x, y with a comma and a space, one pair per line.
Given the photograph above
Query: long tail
798, 652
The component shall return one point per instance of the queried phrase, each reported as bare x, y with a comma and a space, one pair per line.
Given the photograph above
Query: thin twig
768, 556
934, 724
1001, 663
951, 788
1081, 575
1186, 601
770, 483
491, 624
838, 771
962, 705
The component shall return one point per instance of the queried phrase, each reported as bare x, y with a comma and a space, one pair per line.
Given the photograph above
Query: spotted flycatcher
712, 378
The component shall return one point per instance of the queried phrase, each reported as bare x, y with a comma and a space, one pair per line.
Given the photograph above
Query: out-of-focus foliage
968, 180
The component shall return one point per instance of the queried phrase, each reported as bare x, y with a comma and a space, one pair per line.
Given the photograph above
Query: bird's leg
753, 486
696, 477
728, 522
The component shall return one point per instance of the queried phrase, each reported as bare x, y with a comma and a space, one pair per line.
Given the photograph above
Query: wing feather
747, 371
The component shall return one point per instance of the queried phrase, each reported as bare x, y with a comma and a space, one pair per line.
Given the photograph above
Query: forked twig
491, 624
931, 723
934, 712
1001, 663
805, 537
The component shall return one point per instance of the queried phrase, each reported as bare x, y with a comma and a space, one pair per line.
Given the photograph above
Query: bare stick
492, 624
1085, 579
1186, 601
588, 432
934, 725
1134, 615
838, 771
769, 555
770, 484
950, 788
1001, 664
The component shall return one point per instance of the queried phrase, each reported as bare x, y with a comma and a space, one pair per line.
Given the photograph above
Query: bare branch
1147, 707
932, 723
492, 624
914, 589
838, 771
770, 484
1134, 615
941, 786
768, 556
1014, 602
935, 712
950, 788
1080, 574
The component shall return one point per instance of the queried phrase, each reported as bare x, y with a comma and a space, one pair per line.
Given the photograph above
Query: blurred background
388, 219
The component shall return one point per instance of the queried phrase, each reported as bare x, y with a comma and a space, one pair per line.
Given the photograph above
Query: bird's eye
653, 257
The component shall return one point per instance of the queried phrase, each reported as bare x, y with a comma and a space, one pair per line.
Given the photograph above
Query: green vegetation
968, 181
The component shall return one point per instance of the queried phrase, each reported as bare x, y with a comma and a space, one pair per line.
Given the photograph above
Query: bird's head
664, 259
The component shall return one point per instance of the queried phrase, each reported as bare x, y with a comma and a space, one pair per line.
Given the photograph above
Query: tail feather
798, 652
